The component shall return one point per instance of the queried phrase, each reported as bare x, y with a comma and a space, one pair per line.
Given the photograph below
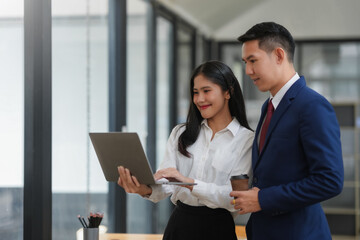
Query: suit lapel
258, 128
278, 113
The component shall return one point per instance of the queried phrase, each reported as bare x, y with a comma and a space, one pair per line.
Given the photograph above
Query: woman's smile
203, 107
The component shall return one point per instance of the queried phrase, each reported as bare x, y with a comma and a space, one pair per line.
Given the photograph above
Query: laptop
115, 149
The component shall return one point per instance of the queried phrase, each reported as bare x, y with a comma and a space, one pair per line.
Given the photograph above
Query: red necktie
270, 111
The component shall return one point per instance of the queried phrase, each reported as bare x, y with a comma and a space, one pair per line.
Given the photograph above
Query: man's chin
262, 89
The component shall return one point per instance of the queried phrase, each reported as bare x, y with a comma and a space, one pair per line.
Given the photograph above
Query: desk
130, 236
240, 232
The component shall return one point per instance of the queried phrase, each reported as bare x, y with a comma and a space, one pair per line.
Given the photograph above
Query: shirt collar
281, 93
233, 126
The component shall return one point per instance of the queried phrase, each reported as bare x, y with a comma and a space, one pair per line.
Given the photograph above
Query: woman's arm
130, 184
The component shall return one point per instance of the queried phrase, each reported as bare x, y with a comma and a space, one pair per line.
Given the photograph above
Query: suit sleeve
320, 140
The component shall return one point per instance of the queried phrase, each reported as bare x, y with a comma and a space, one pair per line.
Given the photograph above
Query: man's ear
280, 55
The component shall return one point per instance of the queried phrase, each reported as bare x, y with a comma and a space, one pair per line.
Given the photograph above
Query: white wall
306, 19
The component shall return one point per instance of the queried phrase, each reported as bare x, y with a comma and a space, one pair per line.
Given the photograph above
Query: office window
80, 106
164, 51
332, 69
164, 40
12, 119
138, 210
184, 72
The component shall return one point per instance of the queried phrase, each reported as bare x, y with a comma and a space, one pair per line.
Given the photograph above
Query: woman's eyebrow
202, 88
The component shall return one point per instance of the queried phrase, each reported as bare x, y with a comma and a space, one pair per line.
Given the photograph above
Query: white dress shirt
281, 93
279, 96
211, 165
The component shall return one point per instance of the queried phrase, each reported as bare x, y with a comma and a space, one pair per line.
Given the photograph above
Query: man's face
262, 67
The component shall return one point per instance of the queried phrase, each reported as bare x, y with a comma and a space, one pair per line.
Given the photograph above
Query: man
296, 155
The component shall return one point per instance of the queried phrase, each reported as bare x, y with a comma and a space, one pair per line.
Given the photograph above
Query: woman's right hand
130, 184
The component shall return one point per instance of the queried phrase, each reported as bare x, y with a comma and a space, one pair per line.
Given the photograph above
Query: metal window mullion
193, 49
151, 85
117, 202
37, 124
173, 76
151, 64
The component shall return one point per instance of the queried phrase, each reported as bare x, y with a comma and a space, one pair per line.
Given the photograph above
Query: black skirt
197, 223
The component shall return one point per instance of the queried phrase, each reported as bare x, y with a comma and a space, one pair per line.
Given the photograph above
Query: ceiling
214, 14
306, 19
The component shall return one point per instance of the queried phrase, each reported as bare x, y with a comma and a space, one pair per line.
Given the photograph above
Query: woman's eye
205, 91
195, 93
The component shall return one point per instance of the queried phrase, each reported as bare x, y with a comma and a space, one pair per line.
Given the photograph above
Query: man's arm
320, 140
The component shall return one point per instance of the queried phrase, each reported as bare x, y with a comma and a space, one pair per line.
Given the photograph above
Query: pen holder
91, 233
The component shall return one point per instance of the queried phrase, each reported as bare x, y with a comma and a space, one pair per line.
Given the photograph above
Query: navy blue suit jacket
300, 166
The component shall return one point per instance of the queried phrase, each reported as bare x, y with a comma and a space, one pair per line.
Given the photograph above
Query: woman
214, 144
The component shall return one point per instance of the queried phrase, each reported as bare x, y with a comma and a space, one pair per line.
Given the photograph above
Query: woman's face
210, 99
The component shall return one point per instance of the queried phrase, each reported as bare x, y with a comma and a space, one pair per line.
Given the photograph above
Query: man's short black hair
271, 35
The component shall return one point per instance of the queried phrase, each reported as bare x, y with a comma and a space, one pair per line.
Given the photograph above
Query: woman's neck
219, 123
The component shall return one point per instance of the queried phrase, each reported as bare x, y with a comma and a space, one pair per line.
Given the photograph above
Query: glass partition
164, 45
184, 50
80, 106
164, 50
138, 215
12, 119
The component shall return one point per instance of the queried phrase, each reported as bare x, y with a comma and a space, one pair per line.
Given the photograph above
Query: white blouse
211, 165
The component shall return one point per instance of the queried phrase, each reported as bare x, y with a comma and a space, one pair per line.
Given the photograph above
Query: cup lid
237, 177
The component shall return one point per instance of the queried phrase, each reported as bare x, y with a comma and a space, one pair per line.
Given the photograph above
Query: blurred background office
68, 68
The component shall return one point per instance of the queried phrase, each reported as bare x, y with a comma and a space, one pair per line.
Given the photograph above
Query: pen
86, 226
81, 221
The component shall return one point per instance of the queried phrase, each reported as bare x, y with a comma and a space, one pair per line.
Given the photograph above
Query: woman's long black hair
220, 74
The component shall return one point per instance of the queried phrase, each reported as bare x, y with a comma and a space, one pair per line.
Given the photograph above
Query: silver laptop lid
115, 149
